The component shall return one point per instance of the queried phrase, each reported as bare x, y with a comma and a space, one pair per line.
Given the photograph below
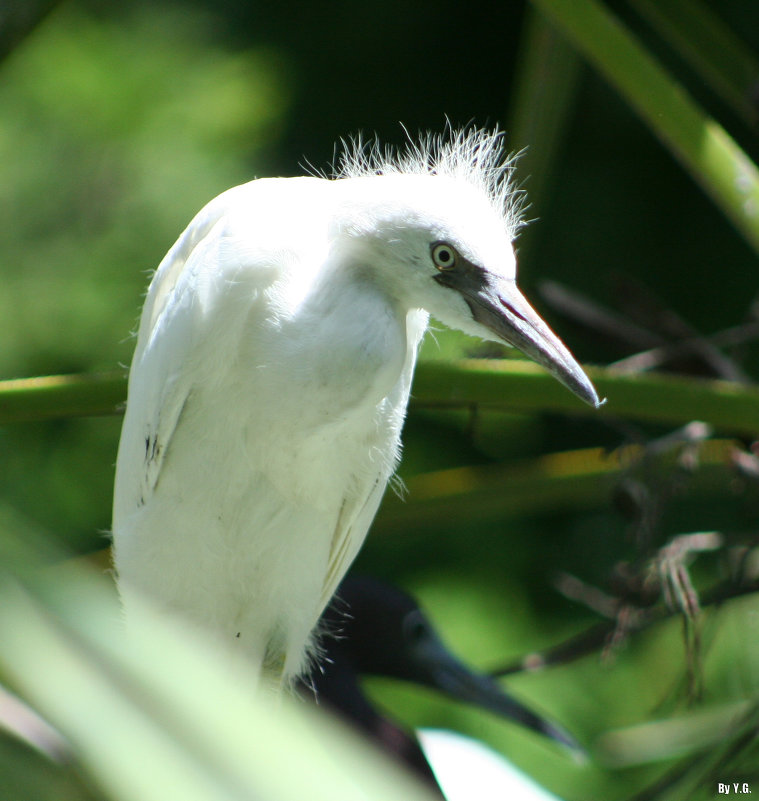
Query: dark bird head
380, 630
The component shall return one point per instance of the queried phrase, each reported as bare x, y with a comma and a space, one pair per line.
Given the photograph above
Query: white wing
162, 373
352, 526
356, 516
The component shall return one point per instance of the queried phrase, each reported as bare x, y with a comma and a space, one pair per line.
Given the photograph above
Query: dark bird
374, 629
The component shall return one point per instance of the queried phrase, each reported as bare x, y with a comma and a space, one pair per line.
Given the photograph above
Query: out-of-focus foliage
119, 121
112, 134
147, 728
114, 131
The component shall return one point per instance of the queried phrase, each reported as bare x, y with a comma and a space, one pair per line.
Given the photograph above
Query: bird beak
497, 304
436, 667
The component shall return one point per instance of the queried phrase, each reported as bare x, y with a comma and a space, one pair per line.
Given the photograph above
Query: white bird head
437, 225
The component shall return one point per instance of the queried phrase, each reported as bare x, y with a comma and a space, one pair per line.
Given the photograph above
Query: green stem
541, 106
703, 147
56, 396
581, 479
712, 50
521, 385
511, 384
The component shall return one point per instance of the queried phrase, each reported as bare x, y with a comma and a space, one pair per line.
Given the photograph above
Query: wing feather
160, 380
352, 525
356, 517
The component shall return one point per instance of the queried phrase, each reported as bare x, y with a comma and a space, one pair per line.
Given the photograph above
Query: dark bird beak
436, 667
497, 304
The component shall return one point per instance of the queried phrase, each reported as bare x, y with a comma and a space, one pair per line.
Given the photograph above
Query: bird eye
444, 256
415, 627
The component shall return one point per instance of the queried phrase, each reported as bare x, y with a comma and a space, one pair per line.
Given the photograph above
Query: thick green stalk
541, 105
55, 396
711, 49
576, 480
511, 384
702, 146
516, 384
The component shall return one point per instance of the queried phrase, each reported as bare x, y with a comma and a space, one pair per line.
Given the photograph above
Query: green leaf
710, 48
155, 713
702, 146
696, 730
542, 102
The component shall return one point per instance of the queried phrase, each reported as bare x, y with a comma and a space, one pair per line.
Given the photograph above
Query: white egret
272, 372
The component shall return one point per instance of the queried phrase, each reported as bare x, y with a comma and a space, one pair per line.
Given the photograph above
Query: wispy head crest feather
475, 155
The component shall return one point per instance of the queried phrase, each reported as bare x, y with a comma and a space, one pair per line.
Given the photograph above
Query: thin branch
595, 637
591, 315
662, 354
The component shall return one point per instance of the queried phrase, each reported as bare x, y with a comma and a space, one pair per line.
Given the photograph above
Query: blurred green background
118, 121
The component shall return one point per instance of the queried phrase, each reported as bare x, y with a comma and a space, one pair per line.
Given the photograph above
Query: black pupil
444, 255
418, 631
